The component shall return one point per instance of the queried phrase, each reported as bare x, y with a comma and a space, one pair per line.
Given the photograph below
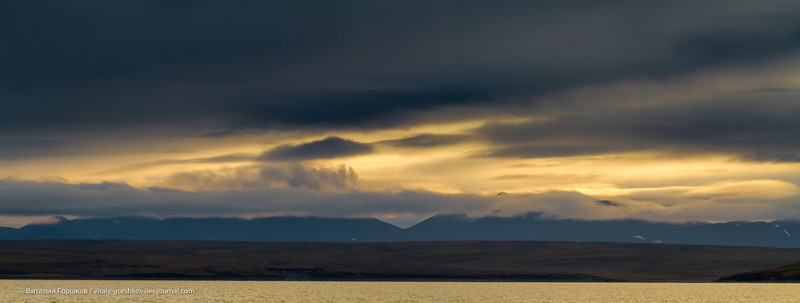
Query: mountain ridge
527, 227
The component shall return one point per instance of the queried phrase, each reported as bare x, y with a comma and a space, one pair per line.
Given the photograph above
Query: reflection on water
279, 291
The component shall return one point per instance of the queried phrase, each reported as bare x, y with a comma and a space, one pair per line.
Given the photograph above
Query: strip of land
475, 260
778, 274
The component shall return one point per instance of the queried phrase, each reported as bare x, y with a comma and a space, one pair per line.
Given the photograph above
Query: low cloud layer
739, 201
32, 198
266, 176
230, 158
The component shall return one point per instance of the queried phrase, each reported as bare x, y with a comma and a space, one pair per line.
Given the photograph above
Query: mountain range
528, 227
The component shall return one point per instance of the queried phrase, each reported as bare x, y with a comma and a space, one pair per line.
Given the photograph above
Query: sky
400, 110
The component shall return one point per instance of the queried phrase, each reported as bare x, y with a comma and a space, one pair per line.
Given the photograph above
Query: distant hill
229, 229
783, 273
8, 233
535, 227
529, 227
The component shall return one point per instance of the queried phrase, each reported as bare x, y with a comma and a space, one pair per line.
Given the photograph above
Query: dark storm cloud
382, 108
428, 140
331, 147
765, 39
189, 66
763, 128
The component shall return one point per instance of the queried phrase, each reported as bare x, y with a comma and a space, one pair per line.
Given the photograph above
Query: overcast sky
672, 110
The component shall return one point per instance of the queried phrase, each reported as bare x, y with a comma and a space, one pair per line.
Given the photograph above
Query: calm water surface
240, 291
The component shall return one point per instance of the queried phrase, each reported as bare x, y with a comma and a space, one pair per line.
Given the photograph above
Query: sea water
300, 291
